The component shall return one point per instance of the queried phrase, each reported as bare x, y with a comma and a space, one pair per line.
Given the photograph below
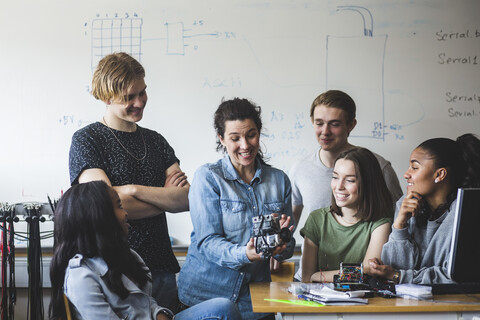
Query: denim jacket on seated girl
221, 208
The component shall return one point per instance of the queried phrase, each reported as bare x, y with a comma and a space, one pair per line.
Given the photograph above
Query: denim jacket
92, 299
221, 208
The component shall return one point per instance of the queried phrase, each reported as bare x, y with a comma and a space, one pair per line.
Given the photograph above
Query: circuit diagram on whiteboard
179, 37
125, 34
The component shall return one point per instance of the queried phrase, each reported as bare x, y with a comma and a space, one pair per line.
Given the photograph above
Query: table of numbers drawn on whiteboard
114, 35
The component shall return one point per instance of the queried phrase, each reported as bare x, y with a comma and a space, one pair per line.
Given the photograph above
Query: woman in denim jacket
95, 269
224, 197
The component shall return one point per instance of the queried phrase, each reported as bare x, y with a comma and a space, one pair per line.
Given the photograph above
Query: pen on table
301, 296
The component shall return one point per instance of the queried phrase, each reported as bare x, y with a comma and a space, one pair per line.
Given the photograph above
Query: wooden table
443, 307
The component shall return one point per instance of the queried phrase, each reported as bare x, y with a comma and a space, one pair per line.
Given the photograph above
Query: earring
436, 180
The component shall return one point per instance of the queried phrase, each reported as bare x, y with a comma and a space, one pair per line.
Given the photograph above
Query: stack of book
327, 296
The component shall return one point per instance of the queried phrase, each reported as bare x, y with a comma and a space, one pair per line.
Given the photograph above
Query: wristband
396, 276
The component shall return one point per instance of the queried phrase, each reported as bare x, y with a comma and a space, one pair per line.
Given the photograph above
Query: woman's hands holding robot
251, 250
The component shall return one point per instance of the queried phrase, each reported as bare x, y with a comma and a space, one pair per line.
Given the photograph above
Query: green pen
297, 302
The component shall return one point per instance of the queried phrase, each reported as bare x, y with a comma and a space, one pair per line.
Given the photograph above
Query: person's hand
274, 265
376, 268
252, 254
285, 221
411, 205
279, 249
176, 179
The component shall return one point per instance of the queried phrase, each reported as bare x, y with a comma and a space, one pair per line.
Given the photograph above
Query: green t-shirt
337, 243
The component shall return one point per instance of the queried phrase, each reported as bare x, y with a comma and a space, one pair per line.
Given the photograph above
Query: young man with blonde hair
139, 164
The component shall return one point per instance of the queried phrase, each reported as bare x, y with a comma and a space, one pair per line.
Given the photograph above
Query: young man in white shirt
333, 117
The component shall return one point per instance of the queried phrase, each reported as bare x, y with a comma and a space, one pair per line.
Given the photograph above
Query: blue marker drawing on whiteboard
355, 64
175, 38
116, 34
177, 35
71, 120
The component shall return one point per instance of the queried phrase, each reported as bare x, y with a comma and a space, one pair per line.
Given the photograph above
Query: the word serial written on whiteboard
445, 58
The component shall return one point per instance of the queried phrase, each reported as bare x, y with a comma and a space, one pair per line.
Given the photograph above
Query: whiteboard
411, 66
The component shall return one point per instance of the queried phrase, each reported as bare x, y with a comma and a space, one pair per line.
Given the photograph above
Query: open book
329, 296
